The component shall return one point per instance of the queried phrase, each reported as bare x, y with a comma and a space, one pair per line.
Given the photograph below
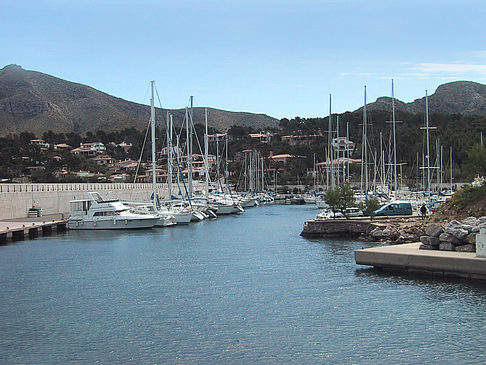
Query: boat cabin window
97, 197
105, 214
78, 206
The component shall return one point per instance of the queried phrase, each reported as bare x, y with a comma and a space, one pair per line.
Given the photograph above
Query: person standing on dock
423, 211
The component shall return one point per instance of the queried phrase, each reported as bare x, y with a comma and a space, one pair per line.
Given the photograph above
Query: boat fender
126, 221
94, 224
77, 224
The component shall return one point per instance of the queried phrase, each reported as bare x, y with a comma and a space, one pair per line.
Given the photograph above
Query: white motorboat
96, 213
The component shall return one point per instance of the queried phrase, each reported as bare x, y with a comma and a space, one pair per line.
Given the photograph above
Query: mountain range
458, 97
36, 102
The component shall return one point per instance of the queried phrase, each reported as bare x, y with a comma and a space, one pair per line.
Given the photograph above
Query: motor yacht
95, 213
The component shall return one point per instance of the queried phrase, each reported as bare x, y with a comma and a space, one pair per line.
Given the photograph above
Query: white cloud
449, 68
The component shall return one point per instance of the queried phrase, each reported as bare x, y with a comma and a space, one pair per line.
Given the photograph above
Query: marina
221, 182
243, 289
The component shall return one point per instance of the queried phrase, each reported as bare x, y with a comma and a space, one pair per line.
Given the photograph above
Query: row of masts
337, 157
388, 177
173, 150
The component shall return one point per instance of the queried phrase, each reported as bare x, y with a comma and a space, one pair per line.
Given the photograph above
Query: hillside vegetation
36, 102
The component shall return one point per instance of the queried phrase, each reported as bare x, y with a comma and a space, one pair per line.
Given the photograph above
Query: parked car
395, 208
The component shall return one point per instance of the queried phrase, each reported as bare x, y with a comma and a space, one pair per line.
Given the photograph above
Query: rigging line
199, 145
177, 159
141, 153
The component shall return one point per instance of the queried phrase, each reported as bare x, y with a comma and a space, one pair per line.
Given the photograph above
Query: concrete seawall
410, 258
336, 228
17, 199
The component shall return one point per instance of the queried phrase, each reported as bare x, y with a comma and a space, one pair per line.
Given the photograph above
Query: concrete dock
409, 258
353, 227
31, 227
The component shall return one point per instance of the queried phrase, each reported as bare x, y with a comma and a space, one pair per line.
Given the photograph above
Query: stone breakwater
389, 230
395, 232
454, 236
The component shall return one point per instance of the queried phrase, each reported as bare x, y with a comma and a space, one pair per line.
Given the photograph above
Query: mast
152, 124
338, 147
450, 158
189, 148
246, 172
347, 152
226, 177
169, 155
275, 179
314, 173
428, 139
206, 152
329, 143
263, 176
395, 187
217, 161
382, 158
364, 150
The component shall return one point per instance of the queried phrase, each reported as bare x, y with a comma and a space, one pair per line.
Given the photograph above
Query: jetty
336, 227
409, 258
31, 227
353, 227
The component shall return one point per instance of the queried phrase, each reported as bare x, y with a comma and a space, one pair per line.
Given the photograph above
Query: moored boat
95, 213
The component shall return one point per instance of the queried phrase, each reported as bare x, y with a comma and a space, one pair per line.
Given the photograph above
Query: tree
346, 198
476, 162
340, 199
369, 207
332, 198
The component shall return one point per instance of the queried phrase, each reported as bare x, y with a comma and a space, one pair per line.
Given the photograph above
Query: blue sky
278, 57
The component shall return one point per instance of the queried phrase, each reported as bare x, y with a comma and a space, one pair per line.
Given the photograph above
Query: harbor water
240, 289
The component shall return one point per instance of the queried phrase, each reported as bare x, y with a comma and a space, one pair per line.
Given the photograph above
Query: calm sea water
241, 289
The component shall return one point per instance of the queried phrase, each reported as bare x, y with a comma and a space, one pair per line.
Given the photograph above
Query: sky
278, 57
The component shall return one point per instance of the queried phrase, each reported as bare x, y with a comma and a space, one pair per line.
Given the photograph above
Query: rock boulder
434, 230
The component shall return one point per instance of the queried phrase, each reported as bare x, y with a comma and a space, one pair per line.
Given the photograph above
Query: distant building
282, 157
61, 146
104, 160
40, 143
126, 165
90, 149
301, 139
264, 137
342, 144
120, 177
125, 146
165, 152
219, 136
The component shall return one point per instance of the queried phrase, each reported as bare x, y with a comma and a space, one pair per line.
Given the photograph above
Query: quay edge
410, 259
19, 229
337, 228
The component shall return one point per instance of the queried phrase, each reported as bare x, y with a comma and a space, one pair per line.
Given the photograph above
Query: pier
409, 258
20, 228
336, 227
353, 227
